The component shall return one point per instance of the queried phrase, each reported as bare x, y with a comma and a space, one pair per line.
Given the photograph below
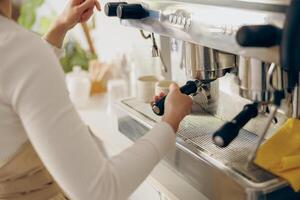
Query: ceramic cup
79, 87
146, 88
163, 87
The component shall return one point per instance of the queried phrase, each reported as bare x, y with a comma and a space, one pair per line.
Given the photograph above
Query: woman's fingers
86, 15
161, 95
86, 9
155, 98
97, 4
174, 87
86, 5
75, 2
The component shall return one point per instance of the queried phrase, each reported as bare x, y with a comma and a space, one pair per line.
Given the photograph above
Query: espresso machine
241, 61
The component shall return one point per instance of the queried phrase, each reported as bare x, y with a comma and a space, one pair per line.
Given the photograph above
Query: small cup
79, 86
146, 88
116, 90
163, 87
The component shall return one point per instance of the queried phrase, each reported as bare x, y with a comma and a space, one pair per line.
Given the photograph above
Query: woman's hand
76, 11
177, 106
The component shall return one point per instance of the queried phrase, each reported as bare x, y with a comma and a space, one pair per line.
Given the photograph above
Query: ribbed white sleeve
33, 84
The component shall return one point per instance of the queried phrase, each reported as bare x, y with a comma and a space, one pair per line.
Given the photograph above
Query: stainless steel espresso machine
241, 59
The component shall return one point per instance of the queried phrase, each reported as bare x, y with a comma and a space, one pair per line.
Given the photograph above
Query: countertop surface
99, 115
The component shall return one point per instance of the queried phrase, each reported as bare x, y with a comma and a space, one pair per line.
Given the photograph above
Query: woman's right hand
177, 106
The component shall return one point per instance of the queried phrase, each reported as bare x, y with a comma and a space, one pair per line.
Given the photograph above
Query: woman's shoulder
14, 38
22, 50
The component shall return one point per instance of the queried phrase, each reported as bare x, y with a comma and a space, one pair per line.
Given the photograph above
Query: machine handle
132, 11
189, 88
259, 36
229, 131
110, 8
290, 46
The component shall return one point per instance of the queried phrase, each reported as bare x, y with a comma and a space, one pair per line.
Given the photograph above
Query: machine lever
191, 87
229, 131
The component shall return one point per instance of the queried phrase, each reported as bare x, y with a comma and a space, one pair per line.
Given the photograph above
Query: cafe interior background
111, 42
104, 62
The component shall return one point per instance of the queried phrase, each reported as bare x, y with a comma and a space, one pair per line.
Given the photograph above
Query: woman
36, 116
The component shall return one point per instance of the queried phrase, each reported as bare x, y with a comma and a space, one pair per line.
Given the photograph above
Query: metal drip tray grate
197, 130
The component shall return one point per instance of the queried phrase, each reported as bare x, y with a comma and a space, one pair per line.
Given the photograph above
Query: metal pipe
296, 101
262, 136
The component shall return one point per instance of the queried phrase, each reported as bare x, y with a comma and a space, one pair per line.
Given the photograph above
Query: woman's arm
39, 96
76, 11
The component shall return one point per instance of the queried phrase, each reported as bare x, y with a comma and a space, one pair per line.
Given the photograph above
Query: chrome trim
207, 25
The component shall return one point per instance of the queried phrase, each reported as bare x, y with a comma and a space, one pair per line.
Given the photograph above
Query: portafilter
203, 65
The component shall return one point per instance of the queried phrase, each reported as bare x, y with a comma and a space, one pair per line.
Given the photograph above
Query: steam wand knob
110, 8
229, 131
259, 36
132, 11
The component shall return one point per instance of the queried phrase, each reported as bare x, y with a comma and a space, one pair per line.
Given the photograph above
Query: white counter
162, 180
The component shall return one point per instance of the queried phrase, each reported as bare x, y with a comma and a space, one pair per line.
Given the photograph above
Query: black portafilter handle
110, 8
189, 88
259, 36
132, 11
229, 131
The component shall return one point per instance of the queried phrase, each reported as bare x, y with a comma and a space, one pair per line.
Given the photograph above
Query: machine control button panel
171, 18
229, 30
181, 19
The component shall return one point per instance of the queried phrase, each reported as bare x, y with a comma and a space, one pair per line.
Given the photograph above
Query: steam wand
155, 51
278, 96
262, 137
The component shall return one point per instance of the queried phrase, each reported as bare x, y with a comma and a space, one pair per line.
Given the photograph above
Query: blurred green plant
74, 53
28, 13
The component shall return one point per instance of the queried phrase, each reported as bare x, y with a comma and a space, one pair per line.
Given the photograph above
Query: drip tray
196, 132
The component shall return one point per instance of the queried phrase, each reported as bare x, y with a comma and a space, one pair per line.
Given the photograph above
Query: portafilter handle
191, 87
229, 131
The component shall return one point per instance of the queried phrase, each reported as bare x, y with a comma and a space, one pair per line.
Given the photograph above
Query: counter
163, 182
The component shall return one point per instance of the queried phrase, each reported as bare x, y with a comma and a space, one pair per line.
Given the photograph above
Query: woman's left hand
76, 11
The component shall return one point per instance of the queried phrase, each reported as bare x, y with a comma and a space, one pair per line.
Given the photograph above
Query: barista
42, 138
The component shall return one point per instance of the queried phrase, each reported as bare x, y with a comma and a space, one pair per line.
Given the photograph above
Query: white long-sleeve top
34, 105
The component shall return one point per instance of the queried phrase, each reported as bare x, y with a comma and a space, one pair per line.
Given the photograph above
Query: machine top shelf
269, 5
